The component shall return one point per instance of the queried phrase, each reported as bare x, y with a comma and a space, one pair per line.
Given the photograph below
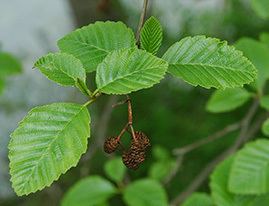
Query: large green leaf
145, 192
115, 169
250, 169
219, 188
129, 70
198, 199
8, 65
261, 7
227, 100
209, 62
62, 68
92, 43
90, 191
258, 53
48, 142
151, 35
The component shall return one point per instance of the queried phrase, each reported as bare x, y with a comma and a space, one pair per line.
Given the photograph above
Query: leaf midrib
49, 146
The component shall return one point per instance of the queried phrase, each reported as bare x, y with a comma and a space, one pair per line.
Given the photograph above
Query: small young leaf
258, 53
151, 35
9, 65
265, 128
90, 191
227, 100
219, 187
261, 7
249, 172
145, 192
265, 102
160, 153
115, 169
198, 199
209, 62
62, 68
92, 43
48, 142
129, 70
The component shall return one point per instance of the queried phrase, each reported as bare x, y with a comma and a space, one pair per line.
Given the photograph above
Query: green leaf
264, 38
90, 191
265, 102
159, 170
129, 70
62, 68
145, 192
9, 65
250, 169
48, 142
160, 153
261, 7
209, 62
115, 169
92, 43
265, 127
227, 100
151, 35
219, 187
2, 85
258, 53
198, 199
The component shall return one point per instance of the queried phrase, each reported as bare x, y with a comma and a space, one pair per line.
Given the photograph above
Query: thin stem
89, 102
217, 135
141, 22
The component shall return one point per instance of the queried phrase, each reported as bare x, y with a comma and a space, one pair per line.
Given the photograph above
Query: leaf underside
92, 43
209, 62
48, 142
129, 70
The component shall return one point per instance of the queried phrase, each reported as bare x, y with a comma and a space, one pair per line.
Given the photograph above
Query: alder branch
244, 134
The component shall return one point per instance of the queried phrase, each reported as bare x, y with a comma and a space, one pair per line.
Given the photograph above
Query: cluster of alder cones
136, 154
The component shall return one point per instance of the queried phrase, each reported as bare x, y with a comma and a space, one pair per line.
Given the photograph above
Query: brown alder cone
137, 152
111, 144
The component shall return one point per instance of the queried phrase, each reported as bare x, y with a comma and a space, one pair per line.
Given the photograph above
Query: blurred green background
172, 113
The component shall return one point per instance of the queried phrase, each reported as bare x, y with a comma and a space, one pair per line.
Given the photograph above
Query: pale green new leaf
129, 70
9, 65
209, 62
151, 35
265, 127
115, 169
47, 142
258, 53
90, 191
227, 100
92, 43
261, 7
159, 170
219, 187
145, 192
265, 102
62, 68
198, 199
250, 169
